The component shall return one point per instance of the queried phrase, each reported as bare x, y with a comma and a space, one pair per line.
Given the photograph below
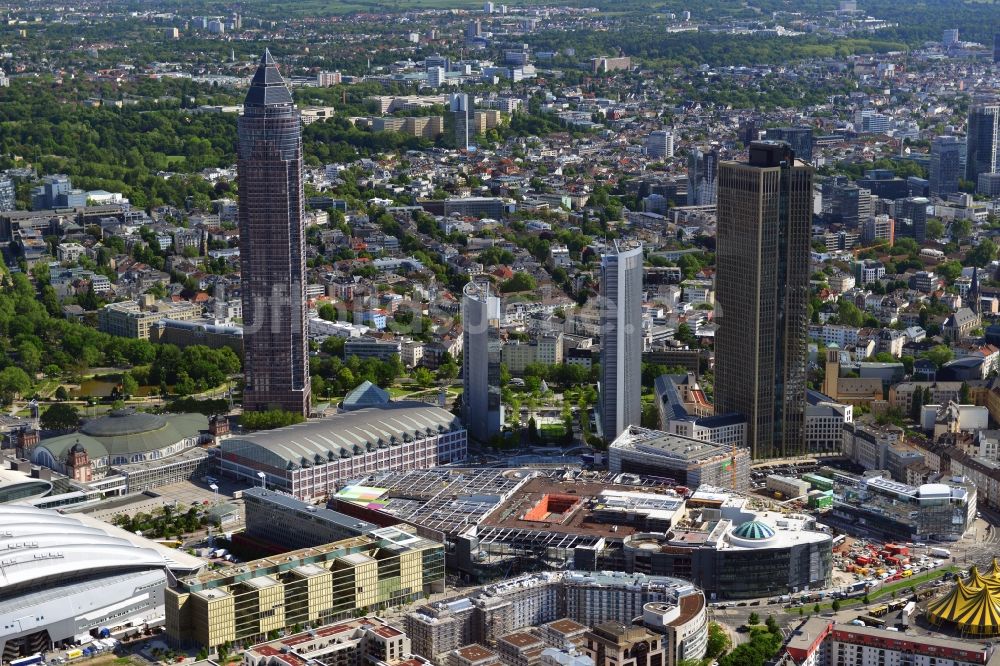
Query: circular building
128, 441
753, 555
752, 534
972, 606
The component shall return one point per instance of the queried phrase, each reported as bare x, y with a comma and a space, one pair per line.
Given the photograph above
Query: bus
27, 661
879, 611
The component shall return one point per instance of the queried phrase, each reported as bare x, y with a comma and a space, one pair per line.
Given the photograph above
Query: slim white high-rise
660, 144
621, 339
482, 408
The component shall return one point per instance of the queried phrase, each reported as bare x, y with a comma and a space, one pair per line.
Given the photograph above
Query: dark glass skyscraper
272, 246
762, 296
982, 153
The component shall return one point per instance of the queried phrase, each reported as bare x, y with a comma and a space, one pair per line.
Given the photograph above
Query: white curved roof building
62, 579
15, 486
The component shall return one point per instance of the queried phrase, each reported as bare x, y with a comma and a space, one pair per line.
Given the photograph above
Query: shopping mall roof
319, 441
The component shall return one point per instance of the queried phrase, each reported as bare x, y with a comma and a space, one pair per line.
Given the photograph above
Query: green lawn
552, 430
887, 590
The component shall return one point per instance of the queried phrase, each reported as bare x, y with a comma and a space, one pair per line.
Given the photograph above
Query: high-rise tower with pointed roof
272, 246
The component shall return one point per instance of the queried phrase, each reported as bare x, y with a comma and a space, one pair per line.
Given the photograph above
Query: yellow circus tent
972, 606
995, 569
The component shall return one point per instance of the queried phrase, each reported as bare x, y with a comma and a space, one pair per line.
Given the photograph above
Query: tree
14, 382
772, 625
129, 384
423, 377
816, 609
718, 640
753, 619
447, 371
935, 228
835, 606
982, 253
60, 416
939, 355
30, 357
273, 418
964, 394
961, 229
327, 312
849, 314
685, 335
520, 281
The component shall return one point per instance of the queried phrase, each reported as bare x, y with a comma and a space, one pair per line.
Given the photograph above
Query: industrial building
308, 460
246, 602
63, 578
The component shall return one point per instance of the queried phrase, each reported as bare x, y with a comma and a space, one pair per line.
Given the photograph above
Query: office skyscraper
996, 47
911, 215
800, 138
946, 161
621, 339
8, 194
481, 406
703, 174
462, 114
982, 153
660, 144
272, 246
762, 295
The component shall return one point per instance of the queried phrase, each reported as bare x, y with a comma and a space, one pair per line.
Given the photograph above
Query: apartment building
615, 644
820, 642
359, 641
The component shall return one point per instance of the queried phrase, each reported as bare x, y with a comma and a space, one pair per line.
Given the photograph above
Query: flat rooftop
388, 537
475, 653
521, 639
566, 626
565, 507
